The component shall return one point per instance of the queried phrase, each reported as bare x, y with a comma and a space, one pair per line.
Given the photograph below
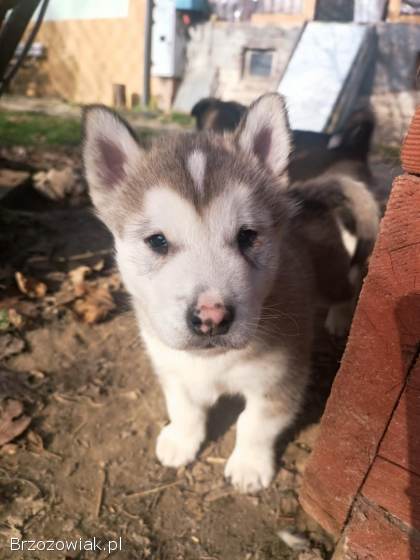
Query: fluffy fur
200, 191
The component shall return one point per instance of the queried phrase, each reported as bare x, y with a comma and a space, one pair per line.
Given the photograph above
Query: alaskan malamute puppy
222, 285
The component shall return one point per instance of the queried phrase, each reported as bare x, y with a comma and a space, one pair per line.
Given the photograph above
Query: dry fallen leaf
77, 278
58, 184
112, 282
28, 309
12, 422
98, 266
34, 442
30, 286
9, 449
10, 345
15, 318
95, 306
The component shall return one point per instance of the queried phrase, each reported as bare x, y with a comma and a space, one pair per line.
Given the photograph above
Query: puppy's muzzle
210, 319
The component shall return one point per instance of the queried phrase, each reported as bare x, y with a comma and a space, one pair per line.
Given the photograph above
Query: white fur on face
203, 256
196, 164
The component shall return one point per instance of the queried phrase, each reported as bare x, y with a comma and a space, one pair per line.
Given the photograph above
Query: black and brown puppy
213, 114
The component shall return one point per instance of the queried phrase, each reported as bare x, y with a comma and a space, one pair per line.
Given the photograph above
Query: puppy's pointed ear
264, 132
110, 154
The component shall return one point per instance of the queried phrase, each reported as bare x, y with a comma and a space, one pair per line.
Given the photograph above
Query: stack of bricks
362, 483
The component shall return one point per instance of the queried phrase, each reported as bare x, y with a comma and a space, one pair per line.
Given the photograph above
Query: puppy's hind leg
340, 315
179, 442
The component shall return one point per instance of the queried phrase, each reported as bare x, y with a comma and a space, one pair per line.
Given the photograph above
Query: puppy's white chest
198, 373
207, 377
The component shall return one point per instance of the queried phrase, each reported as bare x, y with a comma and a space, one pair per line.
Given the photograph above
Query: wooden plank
98, 53
372, 536
401, 443
264, 19
380, 349
394, 14
414, 379
410, 153
396, 490
369, 11
307, 13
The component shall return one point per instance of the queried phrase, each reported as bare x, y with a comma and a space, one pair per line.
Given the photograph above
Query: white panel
366, 11
168, 41
163, 38
317, 72
59, 10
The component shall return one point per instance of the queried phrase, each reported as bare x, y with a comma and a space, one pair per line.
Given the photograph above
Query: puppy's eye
246, 238
158, 243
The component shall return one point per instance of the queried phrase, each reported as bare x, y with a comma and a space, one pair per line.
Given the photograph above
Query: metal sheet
326, 68
59, 10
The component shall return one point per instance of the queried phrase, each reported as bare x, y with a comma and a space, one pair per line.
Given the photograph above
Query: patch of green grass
36, 129
183, 119
4, 320
145, 135
153, 112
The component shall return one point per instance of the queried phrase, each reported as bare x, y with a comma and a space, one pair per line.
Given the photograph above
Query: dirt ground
80, 462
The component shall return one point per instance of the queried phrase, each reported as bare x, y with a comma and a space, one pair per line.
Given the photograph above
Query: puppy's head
197, 221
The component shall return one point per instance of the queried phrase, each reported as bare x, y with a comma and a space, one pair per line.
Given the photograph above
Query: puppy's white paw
175, 448
250, 472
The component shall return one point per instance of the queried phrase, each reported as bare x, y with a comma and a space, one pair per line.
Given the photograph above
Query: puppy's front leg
178, 442
251, 466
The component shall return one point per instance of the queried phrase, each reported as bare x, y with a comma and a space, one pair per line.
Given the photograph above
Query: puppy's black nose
210, 320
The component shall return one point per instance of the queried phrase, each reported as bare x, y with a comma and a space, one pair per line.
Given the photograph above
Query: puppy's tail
337, 217
349, 201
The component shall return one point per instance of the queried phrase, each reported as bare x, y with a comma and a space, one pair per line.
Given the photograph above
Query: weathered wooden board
383, 342
396, 490
401, 443
371, 535
410, 151
395, 13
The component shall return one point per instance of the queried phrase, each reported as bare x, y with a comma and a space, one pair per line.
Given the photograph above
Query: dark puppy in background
346, 152
330, 178
213, 114
313, 152
340, 216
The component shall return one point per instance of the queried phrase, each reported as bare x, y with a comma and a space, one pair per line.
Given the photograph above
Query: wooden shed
87, 47
362, 483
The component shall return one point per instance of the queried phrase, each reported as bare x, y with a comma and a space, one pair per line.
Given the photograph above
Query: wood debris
12, 421
30, 286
